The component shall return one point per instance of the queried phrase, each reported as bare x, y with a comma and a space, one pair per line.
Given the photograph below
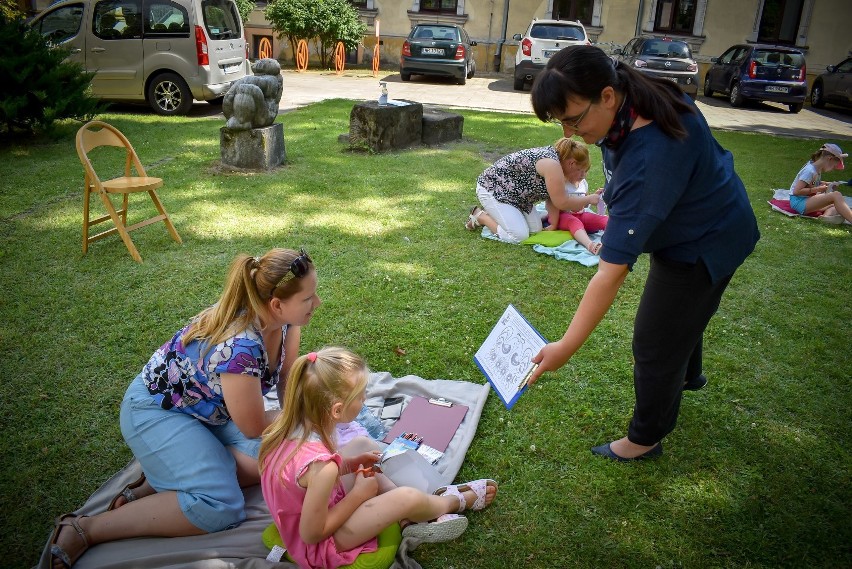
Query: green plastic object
381, 558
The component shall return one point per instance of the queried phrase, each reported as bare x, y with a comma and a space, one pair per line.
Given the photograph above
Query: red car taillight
459, 52
802, 73
201, 46
526, 46
692, 67
752, 69
406, 49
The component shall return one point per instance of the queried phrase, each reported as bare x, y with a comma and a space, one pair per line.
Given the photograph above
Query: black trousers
676, 306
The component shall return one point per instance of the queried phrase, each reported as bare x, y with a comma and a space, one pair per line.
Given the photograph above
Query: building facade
709, 26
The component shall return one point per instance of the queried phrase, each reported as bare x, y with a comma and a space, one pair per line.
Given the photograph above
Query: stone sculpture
252, 102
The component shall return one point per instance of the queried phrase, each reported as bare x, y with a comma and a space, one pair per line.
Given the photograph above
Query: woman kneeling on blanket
329, 506
194, 415
808, 193
509, 189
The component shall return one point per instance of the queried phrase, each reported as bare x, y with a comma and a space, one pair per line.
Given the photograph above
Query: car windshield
556, 32
775, 58
435, 33
662, 48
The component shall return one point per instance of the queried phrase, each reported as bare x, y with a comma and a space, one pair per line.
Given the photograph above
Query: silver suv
542, 39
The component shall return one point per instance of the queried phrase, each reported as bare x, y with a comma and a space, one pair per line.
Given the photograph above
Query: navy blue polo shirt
679, 199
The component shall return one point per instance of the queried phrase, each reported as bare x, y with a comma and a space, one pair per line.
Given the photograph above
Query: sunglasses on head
298, 268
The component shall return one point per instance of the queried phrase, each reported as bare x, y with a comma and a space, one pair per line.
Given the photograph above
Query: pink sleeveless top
285, 498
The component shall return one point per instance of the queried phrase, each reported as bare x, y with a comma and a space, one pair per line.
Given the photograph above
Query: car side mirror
472, 43
714, 59
617, 51
516, 37
830, 68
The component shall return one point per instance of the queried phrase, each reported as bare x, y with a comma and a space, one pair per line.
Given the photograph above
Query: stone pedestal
253, 149
379, 128
441, 126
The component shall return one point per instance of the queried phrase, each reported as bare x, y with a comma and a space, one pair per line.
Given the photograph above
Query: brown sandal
57, 552
127, 492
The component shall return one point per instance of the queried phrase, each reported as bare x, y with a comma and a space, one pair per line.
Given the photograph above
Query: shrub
39, 85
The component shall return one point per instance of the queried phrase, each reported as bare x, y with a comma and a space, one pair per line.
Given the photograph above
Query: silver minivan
165, 52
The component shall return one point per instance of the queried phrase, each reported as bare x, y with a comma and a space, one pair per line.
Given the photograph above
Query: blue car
759, 73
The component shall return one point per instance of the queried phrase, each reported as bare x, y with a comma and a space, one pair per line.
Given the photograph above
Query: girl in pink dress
329, 506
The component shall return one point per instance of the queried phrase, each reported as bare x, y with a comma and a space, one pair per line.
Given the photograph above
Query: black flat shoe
695, 383
606, 451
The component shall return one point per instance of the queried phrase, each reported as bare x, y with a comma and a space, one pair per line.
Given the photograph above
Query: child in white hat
808, 193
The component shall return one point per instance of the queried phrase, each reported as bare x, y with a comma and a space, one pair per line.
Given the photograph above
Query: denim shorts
182, 454
798, 203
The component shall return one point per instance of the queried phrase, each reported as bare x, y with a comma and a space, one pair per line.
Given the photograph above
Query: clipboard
436, 422
505, 355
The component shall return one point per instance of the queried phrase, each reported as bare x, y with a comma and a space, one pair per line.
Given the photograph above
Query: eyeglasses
570, 122
299, 267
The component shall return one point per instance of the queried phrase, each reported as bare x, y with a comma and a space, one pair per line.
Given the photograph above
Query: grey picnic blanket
242, 547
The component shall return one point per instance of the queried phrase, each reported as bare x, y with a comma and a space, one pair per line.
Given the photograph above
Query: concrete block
441, 126
254, 149
380, 128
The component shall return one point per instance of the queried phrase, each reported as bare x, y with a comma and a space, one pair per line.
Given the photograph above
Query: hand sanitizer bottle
383, 98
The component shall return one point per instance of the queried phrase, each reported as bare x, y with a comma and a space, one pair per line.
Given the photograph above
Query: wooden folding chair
92, 135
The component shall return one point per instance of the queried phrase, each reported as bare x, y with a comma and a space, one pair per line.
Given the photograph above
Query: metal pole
498, 55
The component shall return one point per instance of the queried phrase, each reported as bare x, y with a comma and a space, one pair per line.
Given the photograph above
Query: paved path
494, 92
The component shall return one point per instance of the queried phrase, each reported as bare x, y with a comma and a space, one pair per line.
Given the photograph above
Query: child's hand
594, 199
550, 227
365, 487
599, 191
365, 459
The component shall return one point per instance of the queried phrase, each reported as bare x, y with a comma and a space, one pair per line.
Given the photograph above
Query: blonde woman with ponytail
509, 189
194, 416
329, 504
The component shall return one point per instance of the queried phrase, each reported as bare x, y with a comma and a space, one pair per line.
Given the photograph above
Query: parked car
164, 52
759, 73
542, 39
663, 58
834, 86
437, 49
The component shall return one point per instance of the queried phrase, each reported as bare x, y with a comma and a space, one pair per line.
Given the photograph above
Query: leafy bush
39, 85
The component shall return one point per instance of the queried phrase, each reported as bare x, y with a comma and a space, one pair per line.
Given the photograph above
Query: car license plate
433, 51
548, 53
776, 89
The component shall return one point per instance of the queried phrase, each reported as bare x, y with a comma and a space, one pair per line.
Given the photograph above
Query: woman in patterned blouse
194, 415
509, 189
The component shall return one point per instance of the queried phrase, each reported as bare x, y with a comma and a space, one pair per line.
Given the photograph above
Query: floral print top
179, 379
513, 179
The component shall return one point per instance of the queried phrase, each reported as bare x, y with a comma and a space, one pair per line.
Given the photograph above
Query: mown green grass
757, 473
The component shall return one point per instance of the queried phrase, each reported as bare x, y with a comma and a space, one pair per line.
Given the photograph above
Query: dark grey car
663, 58
834, 86
437, 49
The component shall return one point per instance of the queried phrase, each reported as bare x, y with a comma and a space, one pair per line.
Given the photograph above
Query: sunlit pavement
494, 92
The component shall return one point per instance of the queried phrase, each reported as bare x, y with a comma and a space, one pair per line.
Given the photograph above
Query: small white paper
276, 554
505, 356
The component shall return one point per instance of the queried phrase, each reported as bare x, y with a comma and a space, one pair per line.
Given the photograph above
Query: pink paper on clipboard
435, 423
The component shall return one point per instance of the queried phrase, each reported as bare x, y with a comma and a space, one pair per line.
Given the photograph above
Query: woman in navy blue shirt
672, 192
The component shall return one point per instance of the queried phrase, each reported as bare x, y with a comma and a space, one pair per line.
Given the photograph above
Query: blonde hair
570, 149
317, 381
250, 284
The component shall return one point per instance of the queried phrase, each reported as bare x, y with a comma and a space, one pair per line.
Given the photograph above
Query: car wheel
795, 107
472, 70
736, 97
817, 99
708, 92
168, 94
405, 76
519, 84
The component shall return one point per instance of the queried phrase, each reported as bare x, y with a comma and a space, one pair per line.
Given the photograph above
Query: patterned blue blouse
180, 380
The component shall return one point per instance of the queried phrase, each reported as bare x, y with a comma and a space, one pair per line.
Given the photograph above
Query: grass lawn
757, 474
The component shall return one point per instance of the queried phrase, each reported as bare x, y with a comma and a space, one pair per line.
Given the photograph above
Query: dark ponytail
583, 71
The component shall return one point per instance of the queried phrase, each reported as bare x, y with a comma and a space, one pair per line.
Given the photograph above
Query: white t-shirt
809, 174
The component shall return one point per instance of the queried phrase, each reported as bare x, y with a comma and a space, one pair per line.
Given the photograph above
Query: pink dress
285, 498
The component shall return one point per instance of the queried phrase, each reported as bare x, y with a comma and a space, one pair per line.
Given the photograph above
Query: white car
543, 39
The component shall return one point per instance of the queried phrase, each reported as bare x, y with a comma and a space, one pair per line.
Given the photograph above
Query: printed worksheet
505, 355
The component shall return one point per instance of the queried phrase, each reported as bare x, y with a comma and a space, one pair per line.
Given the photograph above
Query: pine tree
39, 86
